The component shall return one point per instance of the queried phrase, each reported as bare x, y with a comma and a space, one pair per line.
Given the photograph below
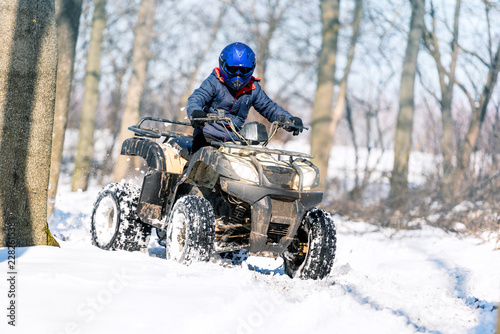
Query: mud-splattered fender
204, 170
147, 149
207, 165
163, 174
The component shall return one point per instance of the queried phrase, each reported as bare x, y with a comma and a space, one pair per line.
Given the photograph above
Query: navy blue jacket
214, 95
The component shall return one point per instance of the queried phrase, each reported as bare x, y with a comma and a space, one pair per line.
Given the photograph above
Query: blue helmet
237, 62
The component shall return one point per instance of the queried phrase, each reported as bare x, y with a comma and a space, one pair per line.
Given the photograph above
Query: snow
383, 281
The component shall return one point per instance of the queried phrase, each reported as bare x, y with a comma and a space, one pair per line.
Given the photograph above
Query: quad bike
228, 197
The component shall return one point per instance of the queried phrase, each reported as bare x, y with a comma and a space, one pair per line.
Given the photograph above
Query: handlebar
281, 122
287, 124
213, 118
219, 117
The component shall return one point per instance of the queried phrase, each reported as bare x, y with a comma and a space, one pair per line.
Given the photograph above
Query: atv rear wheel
311, 254
190, 230
114, 223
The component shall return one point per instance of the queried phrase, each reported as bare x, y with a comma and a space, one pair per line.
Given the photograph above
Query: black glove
295, 125
198, 124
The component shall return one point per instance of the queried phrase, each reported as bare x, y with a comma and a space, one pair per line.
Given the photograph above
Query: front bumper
276, 213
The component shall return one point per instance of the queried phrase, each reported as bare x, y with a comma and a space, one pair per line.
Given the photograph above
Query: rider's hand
295, 125
197, 124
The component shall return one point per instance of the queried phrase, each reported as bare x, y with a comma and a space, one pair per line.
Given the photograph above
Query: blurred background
401, 97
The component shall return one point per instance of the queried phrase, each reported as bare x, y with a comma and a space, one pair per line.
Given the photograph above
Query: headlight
310, 176
244, 170
311, 179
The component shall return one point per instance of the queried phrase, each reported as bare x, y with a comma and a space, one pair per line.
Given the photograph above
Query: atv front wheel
311, 254
114, 223
190, 230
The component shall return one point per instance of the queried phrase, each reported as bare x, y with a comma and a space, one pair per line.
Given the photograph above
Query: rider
232, 88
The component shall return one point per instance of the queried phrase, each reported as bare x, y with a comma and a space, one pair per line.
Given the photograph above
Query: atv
223, 199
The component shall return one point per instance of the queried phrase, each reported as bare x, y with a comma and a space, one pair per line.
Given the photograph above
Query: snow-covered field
383, 281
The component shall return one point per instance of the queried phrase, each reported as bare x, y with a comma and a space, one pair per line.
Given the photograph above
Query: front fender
207, 165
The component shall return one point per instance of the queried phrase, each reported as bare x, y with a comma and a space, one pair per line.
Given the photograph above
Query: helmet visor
234, 70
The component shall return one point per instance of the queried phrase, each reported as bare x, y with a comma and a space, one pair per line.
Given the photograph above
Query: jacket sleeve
202, 96
267, 108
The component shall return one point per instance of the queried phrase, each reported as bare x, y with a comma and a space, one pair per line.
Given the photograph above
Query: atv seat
183, 146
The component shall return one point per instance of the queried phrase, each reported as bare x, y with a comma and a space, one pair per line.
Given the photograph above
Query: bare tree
85, 149
262, 27
262, 19
107, 166
402, 142
321, 122
338, 110
372, 115
140, 58
496, 137
341, 97
68, 19
478, 101
446, 84
28, 65
199, 61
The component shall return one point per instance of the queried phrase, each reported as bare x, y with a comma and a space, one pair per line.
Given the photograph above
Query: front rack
263, 150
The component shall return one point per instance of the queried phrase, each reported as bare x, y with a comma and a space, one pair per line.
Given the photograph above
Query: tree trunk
478, 115
447, 144
341, 98
141, 55
446, 86
479, 106
496, 139
28, 65
108, 165
68, 19
448, 140
262, 58
402, 144
85, 148
321, 143
498, 320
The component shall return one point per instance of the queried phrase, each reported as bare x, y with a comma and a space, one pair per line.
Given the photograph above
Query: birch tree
28, 64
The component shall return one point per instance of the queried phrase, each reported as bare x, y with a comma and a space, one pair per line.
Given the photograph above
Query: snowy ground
382, 282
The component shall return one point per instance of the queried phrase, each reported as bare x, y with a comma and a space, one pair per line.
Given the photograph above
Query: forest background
409, 86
